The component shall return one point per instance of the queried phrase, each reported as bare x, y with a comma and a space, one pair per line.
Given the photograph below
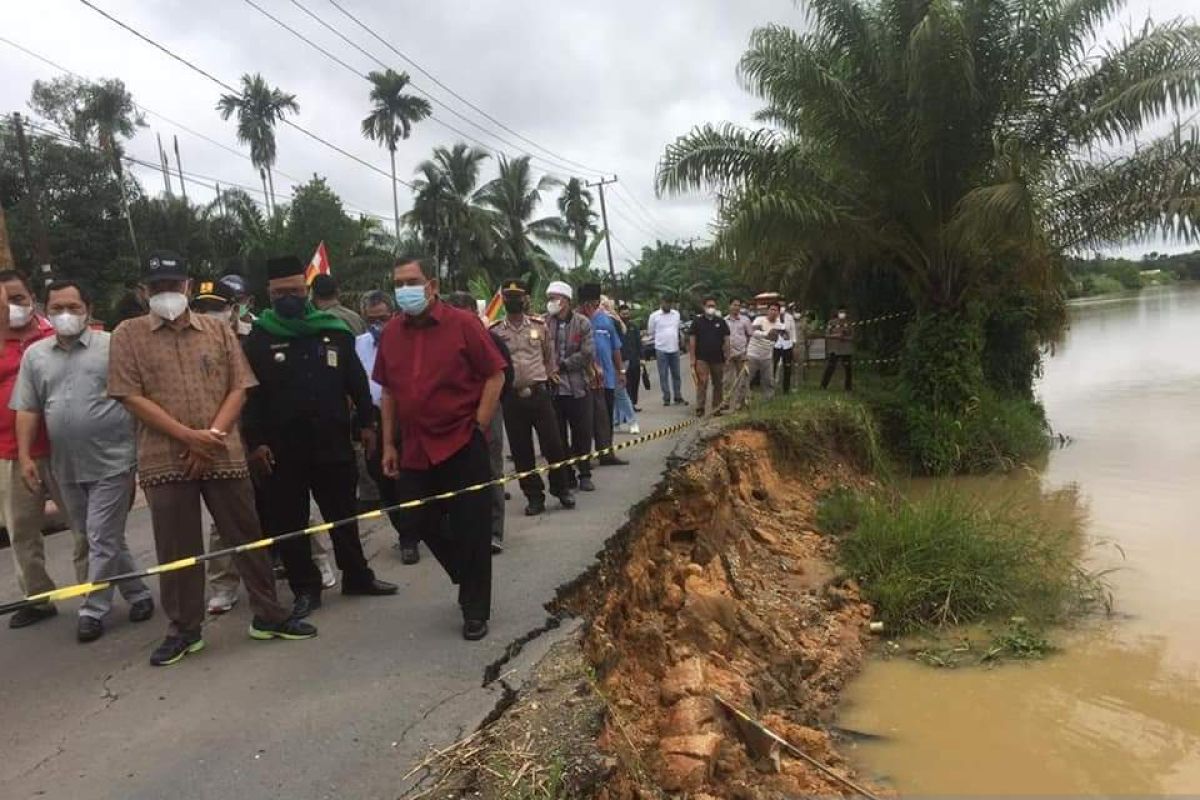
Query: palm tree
259, 107
512, 198
99, 113
579, 220
965, 144
446, 212
391, 119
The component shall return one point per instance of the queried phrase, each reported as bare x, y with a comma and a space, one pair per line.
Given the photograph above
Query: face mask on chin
169, 305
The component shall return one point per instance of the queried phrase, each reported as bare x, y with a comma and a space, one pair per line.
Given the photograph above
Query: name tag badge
533, 335
331, 357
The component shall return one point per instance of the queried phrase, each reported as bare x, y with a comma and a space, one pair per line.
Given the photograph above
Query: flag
319, 265
495, 307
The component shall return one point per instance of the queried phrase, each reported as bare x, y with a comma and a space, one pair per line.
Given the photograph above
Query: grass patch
950, 559
839, 511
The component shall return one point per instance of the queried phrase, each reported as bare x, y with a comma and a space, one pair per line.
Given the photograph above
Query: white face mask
68, 324
710, 310
19, 316
169, 305
841, 315
224, 316
553, 307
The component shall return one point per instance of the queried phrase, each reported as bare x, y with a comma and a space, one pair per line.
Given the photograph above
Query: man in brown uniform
839, 348
528, 405
184, 377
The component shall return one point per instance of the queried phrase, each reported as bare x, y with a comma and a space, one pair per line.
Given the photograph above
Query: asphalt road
344, 715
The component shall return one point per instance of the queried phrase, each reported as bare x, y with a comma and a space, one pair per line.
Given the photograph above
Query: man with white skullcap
574, 355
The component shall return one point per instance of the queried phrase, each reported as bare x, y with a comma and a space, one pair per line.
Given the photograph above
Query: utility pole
41, 244
164, 165
179, 163
6, 257
612, 270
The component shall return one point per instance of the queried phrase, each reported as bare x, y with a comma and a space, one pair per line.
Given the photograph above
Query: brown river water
1118, 710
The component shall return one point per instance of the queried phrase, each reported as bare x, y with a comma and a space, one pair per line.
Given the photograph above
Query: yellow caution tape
76, 590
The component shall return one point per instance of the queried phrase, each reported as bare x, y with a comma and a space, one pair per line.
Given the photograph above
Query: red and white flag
319, 265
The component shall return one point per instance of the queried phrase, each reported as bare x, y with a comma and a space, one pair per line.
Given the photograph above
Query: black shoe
497, 546
666, 403
475, 629
409, 554
567, 499
586, 485
174, 648
291, 628
279, 572
372, 588
142, 610
31, 615
89, 630
305, 604
679, 401
507, 496
611, 460
637, 410
536, 505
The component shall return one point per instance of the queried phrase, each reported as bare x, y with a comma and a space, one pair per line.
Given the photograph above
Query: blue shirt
608, 340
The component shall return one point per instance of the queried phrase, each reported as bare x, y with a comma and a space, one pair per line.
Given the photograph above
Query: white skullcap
558, 287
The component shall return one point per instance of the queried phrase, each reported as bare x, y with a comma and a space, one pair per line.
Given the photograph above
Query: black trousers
831, 362
603, 401
285, 495
786, 357
523, 416
463, 544
575, 416
389, 494
633, 379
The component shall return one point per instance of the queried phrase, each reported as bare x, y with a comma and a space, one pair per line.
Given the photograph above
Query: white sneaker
634, 429
222, 601
328, 576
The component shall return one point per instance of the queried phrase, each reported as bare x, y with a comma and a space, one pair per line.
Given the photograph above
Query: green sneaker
291, 628
175, 648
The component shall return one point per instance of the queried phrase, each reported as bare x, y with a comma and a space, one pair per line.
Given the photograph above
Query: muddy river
1118, 711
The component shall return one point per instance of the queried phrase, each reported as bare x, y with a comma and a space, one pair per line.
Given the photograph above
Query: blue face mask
376, 330
411, 299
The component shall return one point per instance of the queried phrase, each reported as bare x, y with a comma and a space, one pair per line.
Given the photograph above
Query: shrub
949, 559
838, 511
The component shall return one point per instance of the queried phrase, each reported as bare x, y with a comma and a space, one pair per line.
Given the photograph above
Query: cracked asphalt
347, 714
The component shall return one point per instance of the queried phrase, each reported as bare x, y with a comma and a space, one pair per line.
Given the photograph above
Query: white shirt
664, 329
789, 325
760, 346
364, 345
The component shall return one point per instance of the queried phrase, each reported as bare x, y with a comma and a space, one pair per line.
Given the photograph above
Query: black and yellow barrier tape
76, 590
880, 318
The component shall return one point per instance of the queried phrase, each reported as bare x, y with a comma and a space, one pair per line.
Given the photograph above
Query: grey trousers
97, 511
762, 367
496, 456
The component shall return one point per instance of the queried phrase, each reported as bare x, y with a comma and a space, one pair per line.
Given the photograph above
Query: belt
529, 391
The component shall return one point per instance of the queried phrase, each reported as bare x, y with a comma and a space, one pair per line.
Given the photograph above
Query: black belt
526, 392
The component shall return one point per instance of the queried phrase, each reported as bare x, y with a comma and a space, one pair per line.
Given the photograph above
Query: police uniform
301, 410
528, 404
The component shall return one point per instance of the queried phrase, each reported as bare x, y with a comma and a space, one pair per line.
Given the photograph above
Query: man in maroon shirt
441, 377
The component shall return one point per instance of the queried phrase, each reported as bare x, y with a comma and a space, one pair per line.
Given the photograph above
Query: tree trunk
395, 194
271, 185
110, 146
6, 258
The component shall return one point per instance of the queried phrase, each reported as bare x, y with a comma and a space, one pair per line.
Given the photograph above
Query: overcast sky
605, 85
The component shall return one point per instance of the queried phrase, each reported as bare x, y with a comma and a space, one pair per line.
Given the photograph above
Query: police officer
297, 426
528, 404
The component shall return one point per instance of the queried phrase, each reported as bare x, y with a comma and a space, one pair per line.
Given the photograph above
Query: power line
383, 64
170, 53
455, 94
626, 191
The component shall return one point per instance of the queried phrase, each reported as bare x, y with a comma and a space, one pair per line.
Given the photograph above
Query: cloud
604, 85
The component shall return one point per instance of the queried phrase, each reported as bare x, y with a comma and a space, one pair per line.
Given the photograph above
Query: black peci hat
589, 292
284, 267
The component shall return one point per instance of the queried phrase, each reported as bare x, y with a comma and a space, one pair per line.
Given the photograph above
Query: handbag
645, 377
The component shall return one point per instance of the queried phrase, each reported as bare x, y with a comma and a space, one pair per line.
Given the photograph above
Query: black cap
589, 292
324, 286
163, 265
514, 286
284, 267
220, 291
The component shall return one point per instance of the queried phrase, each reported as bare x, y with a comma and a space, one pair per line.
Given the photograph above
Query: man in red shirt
23, 512
441, 377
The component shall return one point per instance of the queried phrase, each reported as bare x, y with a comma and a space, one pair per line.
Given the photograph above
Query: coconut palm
446, 213
964, 143
100, 113
392, 116
258, 108
512, 198
579, 220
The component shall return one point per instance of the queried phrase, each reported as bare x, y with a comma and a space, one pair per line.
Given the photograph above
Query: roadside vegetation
1098, 275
